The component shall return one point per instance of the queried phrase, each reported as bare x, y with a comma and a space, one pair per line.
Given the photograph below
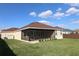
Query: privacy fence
74, 36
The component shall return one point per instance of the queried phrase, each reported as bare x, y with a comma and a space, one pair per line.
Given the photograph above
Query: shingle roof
68, 30
39, 25
34, 25
64, 29
10, 29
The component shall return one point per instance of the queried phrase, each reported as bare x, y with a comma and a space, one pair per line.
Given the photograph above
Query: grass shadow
4, 49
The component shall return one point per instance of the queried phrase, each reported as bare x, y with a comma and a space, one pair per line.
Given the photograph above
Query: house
33, 31
36, 31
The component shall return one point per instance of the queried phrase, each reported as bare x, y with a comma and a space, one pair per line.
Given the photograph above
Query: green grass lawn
65, 47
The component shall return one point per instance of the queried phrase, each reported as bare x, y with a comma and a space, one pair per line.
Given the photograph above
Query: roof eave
38, 28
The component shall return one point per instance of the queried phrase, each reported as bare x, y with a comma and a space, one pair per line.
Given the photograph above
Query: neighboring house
11, 33
76, 31
33, 31
65, 31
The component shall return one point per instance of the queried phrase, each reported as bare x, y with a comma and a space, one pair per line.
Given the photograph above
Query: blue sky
54, 14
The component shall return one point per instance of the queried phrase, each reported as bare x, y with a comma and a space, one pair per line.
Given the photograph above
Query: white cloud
59, 9
45, 14
75, 22
71, 11
74, 4
33, 14
58, 15
45, 22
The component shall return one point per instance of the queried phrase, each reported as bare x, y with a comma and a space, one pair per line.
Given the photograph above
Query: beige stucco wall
58, 34
11, 35
17, 35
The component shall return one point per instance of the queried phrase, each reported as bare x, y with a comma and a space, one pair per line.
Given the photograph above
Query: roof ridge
37, 24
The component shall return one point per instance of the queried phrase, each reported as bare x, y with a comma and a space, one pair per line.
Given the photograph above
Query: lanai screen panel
36, 34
